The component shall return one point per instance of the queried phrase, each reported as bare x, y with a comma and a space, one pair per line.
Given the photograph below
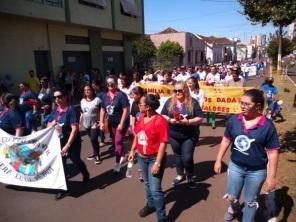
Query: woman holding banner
254, 145
183, 114
66, 119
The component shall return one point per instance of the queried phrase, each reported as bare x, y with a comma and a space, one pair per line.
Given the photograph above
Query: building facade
259, 44
292, 30
219, 49
194, 48
44, 35
242, 52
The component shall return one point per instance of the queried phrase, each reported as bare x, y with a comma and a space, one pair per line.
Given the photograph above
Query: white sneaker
116, 168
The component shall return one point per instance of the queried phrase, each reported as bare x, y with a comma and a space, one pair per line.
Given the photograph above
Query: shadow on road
99, 182
209, 140
204, 170
184, 198
288, 141
76, 188
31, 189
283, 203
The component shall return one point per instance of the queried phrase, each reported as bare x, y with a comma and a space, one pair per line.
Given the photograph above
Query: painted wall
91, 16
127, 23
33, 10
187, 40
19, 39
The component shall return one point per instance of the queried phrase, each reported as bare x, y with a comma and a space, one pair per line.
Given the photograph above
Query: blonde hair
188, 99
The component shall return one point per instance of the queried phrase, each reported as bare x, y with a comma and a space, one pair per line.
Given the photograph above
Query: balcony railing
55, 3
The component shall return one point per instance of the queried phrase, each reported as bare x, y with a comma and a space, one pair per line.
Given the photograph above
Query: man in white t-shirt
213, 77
183, 75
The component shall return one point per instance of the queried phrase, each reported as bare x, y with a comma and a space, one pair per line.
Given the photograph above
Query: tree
169, 49
143, 51
168, 55
293, 44
272, 48
280, 12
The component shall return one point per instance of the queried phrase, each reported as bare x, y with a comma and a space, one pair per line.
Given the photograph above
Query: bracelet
188, 122
157, 164
169, 120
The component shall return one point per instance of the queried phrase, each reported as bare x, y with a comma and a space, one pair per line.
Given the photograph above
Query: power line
218, 27
218, 1
193, 17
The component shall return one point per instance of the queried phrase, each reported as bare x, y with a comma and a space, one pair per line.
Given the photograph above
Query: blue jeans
154, 193
183, 150
30, 121
252, 182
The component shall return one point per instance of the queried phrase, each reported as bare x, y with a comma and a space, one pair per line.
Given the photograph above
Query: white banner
33, 160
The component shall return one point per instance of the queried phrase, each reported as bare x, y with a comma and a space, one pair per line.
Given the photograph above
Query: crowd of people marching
119, 106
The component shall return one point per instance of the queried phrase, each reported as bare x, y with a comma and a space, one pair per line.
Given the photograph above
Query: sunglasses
58, 97
110, 84
178, 90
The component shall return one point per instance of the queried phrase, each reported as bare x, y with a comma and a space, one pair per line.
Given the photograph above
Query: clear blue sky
205, 17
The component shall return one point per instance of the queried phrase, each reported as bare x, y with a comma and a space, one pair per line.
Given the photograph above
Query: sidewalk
287, 131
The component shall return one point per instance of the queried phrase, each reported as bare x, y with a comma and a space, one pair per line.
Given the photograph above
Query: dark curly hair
152, 100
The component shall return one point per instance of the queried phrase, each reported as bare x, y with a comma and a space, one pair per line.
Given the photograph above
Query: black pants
93, 135
183, 150
102, 135
74, 155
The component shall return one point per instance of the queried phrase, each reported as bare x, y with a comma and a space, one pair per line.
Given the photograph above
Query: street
110, 197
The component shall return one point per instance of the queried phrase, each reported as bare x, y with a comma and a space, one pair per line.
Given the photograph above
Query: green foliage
293, 44
143, 51
279, 12
272, 48
169, 49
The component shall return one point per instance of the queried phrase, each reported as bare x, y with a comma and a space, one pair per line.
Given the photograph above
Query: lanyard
3, 112
112, 97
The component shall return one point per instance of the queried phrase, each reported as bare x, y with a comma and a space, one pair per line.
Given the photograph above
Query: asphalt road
110, 198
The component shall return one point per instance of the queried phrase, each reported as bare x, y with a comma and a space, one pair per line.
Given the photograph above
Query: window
56, 3
72, 39
95, 3
196, 57
112, 42
129, 8
189, 56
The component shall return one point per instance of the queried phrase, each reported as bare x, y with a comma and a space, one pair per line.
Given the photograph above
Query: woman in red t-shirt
151, 137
